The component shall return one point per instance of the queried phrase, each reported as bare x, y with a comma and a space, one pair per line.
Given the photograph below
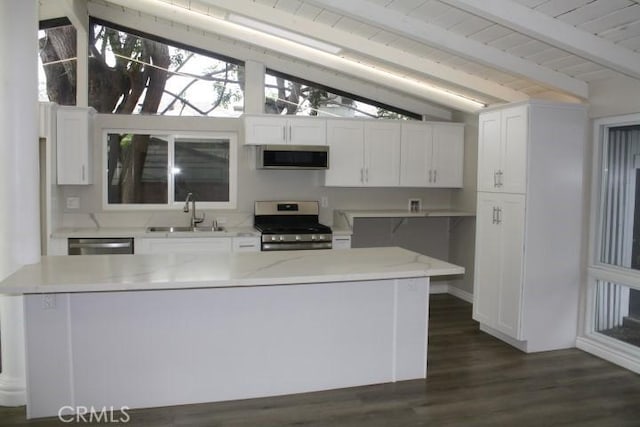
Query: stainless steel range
291, 225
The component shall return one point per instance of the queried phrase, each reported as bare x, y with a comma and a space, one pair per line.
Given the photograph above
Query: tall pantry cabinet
529, 223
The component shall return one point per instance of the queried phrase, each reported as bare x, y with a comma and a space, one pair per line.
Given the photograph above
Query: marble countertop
142, 232
100, 273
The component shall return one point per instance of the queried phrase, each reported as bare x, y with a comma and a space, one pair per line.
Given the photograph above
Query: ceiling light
285, 34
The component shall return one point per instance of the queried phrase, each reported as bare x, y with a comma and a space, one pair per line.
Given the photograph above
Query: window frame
589, 339
171, 136
409, 114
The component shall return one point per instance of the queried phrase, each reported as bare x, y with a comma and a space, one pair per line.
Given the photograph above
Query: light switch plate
73, 202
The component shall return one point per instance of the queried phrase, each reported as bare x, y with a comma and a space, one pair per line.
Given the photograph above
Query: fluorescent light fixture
282, 33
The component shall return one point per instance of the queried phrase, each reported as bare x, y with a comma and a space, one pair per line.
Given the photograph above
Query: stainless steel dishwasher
100, 246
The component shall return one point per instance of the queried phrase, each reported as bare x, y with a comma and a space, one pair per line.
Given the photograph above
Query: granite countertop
101, 273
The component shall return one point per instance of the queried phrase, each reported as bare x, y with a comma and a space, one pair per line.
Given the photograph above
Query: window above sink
155, 171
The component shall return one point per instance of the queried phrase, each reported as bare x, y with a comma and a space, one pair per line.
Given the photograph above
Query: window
151, 171
57, 62
133, 73
285, 94
613, 311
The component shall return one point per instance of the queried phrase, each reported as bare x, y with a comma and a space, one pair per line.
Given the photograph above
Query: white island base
170, 347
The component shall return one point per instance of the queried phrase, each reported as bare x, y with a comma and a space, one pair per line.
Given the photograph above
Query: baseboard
607, 353
446, 288
463, 295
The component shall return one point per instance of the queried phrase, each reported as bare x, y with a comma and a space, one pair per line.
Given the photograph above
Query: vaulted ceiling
490, 51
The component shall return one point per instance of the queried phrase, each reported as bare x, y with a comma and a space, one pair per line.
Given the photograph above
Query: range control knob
281, 238
298, 237
273, 238
313, 237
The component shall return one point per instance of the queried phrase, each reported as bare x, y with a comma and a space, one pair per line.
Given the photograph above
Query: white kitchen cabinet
528, 239
183, 245
499, 252
363, 153
246, 244
279, 130
341, 242
502, 153
432, 155
74, 145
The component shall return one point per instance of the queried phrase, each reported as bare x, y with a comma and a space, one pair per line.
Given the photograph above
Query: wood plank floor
474, 380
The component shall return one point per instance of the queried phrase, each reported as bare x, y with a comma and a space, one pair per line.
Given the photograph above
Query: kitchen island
156, 330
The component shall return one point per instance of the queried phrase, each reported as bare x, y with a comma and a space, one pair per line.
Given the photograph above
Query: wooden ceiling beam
376, 51
432, 35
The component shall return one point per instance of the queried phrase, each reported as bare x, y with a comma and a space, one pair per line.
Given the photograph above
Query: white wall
614, 97
253, 184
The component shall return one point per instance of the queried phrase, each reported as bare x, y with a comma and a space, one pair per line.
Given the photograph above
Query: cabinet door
73, 146
447, 160
514, 150
341, 242
382, 154
265, 130
179, 245
489, 151
488, 261
346, 153
415, 155
307, 131
512, 219
246, 244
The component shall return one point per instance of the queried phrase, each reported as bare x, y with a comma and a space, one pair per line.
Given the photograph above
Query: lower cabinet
500, 221
183, 245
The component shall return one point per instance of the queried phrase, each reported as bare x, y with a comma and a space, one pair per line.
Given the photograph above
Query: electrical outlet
73, 202
48, 301
324, 202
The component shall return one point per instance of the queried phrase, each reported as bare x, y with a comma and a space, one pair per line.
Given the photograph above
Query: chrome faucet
195, 220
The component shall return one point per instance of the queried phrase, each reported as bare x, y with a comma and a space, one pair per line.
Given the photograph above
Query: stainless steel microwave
292, 157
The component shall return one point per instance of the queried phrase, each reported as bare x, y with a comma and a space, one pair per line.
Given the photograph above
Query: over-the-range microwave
292, 157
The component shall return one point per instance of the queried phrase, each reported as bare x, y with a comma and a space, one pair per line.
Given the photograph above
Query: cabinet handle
495, 179
248, 245
362, 175
366, 174
494, 216
83, 173
499, 216
435, 175
500, 180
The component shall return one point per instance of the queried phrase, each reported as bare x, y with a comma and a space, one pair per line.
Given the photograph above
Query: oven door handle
295, 246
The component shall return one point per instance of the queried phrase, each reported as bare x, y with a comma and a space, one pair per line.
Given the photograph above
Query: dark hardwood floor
474, 380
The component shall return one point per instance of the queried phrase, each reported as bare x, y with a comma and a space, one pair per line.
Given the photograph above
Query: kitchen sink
166, 229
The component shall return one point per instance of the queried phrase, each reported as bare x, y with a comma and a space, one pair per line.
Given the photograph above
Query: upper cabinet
432, 155
74, 147
363, 153
279, 130
502, 150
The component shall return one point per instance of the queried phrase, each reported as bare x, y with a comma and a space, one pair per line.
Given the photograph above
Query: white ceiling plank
557, 8
620, 17
443, 39
555, 33
367, 47
471, 26
593, 10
